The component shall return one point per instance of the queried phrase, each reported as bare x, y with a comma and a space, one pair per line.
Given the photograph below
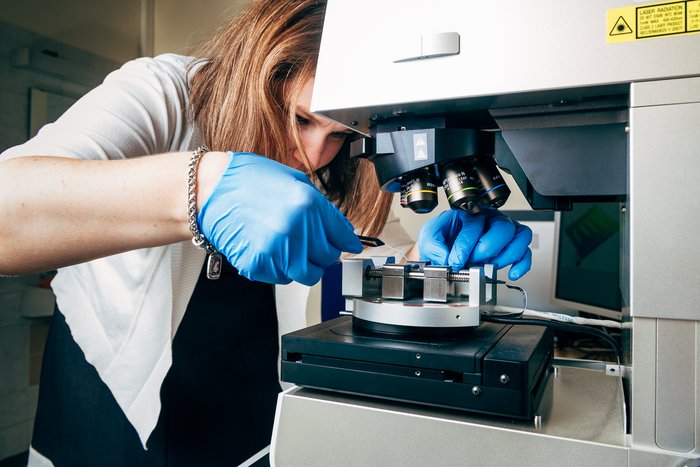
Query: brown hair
236, 99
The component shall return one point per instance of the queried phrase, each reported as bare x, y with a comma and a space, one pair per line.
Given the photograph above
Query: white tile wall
15, 400
13, 438
15, 375
14, 342
13, 409
10, 301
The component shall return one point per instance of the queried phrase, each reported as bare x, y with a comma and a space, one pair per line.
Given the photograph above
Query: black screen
588, 256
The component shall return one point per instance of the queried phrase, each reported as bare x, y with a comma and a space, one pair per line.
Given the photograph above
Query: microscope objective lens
419, 191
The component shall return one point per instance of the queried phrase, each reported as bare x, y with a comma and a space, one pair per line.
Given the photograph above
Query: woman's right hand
461, 239
272, 224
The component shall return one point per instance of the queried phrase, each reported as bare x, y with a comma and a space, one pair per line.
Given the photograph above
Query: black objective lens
461, 185
419, 191
494, 192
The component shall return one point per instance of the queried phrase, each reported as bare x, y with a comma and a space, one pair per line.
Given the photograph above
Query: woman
117, 378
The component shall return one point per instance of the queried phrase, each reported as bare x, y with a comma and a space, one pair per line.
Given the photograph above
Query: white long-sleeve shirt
123, 310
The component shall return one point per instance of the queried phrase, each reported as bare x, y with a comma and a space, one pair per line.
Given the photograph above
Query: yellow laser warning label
653, 20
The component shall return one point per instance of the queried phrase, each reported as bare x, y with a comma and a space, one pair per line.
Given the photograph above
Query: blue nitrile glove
272, 224
460, 239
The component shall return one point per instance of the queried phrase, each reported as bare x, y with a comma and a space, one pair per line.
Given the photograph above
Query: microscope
578, 101
414, 332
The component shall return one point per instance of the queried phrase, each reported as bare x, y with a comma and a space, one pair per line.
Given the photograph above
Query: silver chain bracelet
214, 259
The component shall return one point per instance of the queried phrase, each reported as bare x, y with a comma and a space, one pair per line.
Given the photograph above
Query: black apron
218, 398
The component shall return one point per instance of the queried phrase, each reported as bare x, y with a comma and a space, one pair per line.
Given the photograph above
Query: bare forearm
56, 212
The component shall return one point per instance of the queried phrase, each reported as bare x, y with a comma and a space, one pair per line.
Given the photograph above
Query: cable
491, 318
511, 315
510, 312
561, 317
398, 251
376, 242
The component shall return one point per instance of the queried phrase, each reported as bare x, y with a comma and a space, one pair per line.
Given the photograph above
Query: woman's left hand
461, 239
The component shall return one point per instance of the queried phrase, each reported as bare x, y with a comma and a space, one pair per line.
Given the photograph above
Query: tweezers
370, 241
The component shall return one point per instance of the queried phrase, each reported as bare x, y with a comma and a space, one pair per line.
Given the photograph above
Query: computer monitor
586, 268
538, 281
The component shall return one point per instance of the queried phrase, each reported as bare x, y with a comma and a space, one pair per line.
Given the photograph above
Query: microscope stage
494, 369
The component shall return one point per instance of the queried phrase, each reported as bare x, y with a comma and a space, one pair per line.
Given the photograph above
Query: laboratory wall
108, 29
62, 73
21, 349
178, 25
51, 53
